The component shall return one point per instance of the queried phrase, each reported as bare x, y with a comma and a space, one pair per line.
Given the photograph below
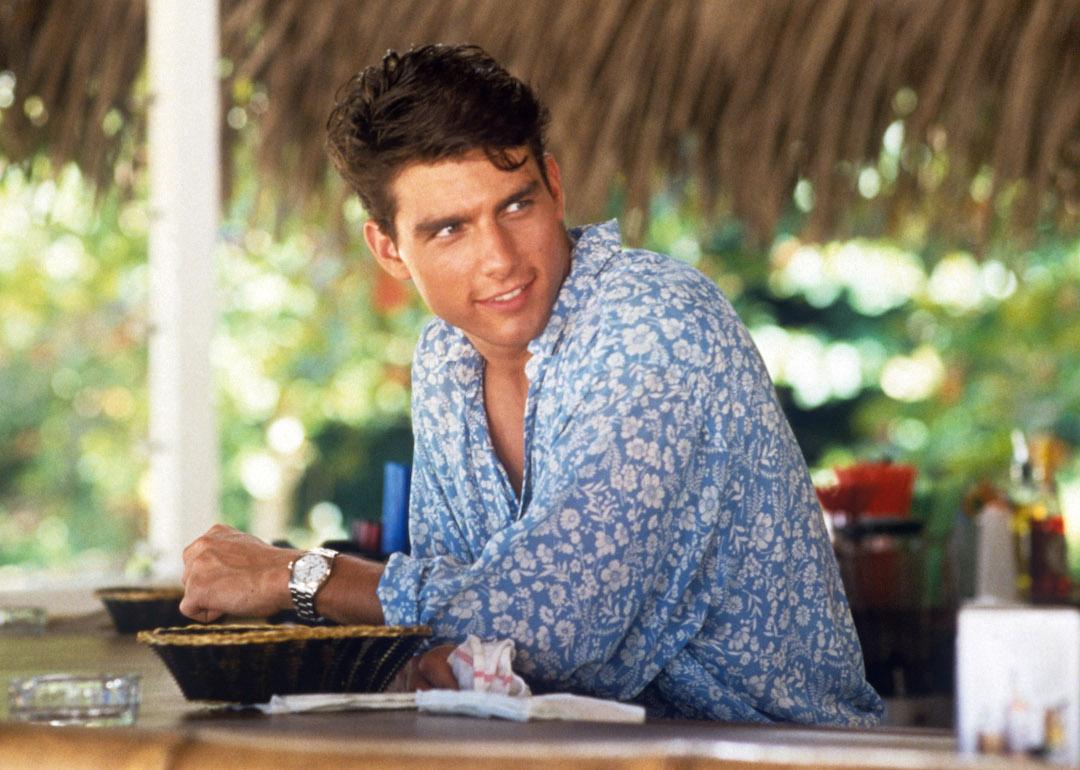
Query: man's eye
518, 205
446, 231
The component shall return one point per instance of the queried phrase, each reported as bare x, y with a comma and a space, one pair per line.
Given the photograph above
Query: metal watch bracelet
303, 592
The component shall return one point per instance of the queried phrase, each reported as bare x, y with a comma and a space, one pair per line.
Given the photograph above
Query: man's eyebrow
524, 191
432, 226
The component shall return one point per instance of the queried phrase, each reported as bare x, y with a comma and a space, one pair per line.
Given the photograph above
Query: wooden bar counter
173, 733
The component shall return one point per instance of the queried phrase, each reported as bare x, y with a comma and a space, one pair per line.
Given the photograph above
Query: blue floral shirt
667, 545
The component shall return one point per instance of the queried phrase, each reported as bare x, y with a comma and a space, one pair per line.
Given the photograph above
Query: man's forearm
348, 596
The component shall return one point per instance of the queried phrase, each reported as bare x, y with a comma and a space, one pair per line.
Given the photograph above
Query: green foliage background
312, 336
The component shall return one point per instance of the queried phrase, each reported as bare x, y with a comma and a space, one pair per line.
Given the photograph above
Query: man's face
486, 248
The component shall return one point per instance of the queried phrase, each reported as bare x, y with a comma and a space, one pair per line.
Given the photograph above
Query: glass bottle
1023, 499
1050, 581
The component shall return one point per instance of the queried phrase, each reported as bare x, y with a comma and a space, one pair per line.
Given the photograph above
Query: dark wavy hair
429, 104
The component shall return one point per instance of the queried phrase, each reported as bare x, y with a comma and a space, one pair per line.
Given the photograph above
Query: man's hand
427, 671
433, 670
228, 572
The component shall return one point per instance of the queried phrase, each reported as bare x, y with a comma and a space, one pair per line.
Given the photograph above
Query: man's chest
504, 407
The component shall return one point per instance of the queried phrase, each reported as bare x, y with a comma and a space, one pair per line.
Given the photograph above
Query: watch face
310, 569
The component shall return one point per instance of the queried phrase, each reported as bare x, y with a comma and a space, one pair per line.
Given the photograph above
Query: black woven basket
138, 609
249, 664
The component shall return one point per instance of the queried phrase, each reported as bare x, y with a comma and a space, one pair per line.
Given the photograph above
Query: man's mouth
507, 296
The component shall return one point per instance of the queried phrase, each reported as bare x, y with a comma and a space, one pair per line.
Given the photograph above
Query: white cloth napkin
487, 667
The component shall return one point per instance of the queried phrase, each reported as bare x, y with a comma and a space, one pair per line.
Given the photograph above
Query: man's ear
554, 178
385, 251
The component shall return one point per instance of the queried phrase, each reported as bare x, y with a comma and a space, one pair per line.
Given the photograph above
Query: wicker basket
137, 609
250, 663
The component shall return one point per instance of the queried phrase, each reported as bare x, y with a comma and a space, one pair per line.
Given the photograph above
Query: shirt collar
594, 246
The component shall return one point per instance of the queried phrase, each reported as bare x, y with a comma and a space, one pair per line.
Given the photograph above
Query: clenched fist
228, 572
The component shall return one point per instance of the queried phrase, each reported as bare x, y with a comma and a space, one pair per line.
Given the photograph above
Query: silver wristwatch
307, 573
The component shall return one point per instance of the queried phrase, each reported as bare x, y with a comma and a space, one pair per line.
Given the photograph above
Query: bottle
995, 563
1050, 582
1023, 496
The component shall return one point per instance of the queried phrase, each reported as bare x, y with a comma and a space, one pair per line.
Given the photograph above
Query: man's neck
508, 367
504, 363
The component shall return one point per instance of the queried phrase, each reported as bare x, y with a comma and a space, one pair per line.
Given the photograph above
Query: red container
886, 487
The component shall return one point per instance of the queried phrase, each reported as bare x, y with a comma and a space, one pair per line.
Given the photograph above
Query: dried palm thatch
744, 98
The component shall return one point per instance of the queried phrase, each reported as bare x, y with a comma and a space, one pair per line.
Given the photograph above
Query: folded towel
338, 701
523, 709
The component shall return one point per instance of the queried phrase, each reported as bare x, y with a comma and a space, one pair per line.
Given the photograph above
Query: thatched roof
747, 98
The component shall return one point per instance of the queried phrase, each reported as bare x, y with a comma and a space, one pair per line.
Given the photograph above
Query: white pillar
182, 56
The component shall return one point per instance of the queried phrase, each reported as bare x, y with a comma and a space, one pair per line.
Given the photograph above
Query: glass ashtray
23, 620
75, 699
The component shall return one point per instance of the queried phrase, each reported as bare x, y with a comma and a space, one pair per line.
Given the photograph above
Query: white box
1018, 681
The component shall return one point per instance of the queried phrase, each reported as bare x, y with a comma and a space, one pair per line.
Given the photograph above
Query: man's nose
498, 254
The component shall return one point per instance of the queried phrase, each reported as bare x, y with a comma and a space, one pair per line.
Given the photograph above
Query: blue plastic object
395, 508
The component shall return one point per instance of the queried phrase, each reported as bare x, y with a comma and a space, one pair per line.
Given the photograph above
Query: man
602, 471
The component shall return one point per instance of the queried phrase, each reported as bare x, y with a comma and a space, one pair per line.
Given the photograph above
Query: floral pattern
667, 546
